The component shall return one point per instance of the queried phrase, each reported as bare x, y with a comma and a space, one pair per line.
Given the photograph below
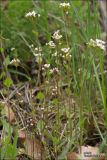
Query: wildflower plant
63, 100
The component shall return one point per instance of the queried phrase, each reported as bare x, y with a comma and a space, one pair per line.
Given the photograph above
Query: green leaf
55, 140
7, 82
40, 96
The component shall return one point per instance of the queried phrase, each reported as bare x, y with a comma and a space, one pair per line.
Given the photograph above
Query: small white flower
51, 44
56, 35
31, 46
64, 5
65, 50
12, 49
32, 14
15, 61
79, 70
38, 49
32, 124
46, 66
38, 15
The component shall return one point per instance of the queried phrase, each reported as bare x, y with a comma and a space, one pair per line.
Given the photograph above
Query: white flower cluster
66, 54
56, 35
15, 61
64, 5
32, 14
97, 43
101, 44
45, 67
51, 44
